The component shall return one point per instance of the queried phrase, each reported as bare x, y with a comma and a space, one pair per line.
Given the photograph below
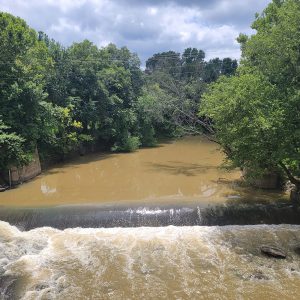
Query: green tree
12, 151
216, 67
261, 107
192, 62
154, 110
24, 64
247, 114
169, 62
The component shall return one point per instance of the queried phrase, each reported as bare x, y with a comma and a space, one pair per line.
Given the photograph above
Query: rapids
149, 263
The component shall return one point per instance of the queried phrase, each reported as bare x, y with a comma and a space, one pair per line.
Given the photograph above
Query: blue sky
145, 27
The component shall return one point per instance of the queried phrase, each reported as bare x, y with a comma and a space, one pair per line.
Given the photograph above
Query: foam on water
150, 263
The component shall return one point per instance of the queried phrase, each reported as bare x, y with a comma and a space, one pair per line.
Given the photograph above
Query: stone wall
19, 175
268, 181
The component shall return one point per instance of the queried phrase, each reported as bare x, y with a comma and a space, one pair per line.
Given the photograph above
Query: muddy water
149, 263
182, 171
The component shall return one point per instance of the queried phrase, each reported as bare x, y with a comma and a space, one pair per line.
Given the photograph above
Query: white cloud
146, 27
63, 25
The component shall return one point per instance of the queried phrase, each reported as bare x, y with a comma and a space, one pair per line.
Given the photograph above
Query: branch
289, 174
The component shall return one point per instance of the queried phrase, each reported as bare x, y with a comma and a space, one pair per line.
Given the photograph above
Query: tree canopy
256, 113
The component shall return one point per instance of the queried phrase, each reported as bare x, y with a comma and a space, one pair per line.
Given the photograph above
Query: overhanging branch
289, 174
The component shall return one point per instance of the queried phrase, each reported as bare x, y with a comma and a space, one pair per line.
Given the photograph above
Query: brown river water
169, 185
184, 171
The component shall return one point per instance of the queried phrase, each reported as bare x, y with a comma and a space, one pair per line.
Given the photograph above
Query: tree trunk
295, 192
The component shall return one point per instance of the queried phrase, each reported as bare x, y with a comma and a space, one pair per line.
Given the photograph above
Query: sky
145, 27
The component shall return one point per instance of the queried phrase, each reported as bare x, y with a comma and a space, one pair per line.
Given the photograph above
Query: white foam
127, 262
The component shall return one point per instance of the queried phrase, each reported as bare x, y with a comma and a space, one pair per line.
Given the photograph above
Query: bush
130, 144
148, 136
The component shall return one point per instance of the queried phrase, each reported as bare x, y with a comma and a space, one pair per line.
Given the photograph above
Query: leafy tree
260, 126
24, 64
216, 67
101, 85
168, 62
192, 63
62, 133
184, 78
12, 151
274, 49
154, 110
247, 113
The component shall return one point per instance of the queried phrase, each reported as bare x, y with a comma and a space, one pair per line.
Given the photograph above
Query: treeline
59, 99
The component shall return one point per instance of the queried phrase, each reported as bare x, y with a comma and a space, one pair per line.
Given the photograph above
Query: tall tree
263, 99
24, 64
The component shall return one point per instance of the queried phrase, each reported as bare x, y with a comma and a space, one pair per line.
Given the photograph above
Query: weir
153, 216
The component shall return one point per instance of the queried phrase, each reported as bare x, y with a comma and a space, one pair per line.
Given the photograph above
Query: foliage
128, 144
183, 79
11, 148
260, 125
24, 63
154, 108
246, 111
62, 133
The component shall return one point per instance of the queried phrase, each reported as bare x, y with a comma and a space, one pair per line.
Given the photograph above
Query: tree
261, 104
169, 62
101, 86
247, 117
216, 67
24, 64
192, 62
12, 151
184, 79
154, 110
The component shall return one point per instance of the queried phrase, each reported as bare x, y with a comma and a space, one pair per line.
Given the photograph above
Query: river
183, 171
134, 226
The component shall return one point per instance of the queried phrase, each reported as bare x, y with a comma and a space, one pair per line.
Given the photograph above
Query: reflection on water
45, 189
149, 263
183, 171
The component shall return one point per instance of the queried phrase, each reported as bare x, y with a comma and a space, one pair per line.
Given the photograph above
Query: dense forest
60, 100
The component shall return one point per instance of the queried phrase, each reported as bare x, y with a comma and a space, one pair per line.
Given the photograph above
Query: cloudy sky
144, 26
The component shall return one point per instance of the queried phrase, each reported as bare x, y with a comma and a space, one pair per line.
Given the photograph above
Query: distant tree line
59, 99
